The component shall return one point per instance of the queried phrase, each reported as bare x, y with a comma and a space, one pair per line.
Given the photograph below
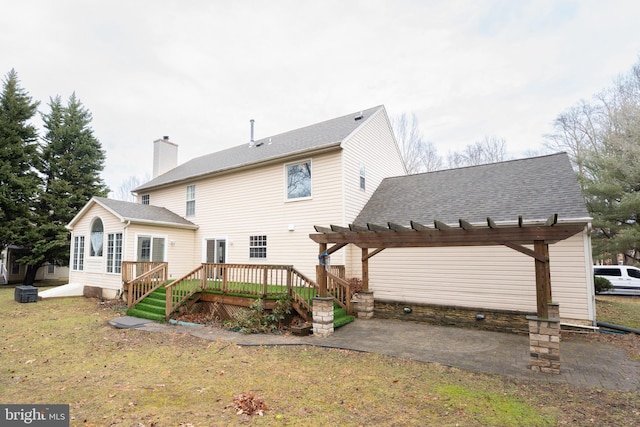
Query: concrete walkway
583, 364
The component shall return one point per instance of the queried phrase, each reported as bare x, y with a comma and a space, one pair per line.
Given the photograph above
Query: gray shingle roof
535, 188
137, 212
320, 135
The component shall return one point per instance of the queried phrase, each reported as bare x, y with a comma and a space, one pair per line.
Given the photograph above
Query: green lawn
64, 351
623, 311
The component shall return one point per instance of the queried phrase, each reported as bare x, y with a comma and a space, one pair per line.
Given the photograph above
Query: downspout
124, 246
591, 293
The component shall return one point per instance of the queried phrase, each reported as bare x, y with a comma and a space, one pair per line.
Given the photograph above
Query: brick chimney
165, 156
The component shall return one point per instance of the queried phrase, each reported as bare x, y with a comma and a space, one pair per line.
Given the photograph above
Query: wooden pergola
378, 238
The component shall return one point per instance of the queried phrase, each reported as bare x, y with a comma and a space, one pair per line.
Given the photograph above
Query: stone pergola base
544, 341
365, 305
322, 316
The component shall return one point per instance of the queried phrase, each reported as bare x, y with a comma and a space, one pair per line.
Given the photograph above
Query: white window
97, 233
191, 200
78, 253
151, 248
114, 253
257, 246
51, 269
145, 199
362, 177
299, 180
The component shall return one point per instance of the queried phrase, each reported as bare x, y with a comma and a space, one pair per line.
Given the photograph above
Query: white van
624, 278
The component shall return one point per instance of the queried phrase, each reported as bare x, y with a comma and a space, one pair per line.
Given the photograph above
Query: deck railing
140, 287
338, 270
134, 269
183, 288
242, 280
247, 279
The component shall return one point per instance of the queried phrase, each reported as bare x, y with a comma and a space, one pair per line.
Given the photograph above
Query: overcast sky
199, 70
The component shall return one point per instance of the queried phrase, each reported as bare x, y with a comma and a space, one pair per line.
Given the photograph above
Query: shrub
355, 284
256, 319
601, 284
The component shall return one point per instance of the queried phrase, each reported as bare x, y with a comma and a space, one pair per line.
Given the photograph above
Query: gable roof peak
327, 134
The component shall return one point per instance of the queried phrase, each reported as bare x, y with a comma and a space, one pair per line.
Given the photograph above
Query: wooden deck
235, 284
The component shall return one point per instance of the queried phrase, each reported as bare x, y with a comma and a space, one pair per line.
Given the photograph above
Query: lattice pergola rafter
417, 235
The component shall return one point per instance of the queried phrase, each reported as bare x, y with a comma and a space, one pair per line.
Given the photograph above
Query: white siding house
258, 202
255, 203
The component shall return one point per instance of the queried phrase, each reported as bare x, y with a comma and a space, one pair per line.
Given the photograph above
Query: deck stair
340, 316
153, 307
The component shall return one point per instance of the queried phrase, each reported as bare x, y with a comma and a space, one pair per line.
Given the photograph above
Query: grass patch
63, 351
490, 408
623, 311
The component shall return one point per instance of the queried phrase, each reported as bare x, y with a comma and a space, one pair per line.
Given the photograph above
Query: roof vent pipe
166, 137
252, 121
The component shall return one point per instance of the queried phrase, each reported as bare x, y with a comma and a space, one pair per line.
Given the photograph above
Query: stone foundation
544, 341
476, 318
322, 316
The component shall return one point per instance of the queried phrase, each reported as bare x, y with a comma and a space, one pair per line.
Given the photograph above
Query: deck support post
322, 316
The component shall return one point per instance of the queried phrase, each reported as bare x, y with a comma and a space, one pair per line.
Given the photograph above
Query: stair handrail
340, 290
182, 289
302, 303
130, 268
142, 286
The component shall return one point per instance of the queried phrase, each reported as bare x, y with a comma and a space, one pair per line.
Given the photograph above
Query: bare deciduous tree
417, 154
576, 132
124, 190
490, 149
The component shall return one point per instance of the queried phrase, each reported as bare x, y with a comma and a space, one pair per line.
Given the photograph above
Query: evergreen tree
19, 180
71, 162
611, 172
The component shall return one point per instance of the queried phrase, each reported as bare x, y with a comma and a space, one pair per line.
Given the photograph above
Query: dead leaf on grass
250, 404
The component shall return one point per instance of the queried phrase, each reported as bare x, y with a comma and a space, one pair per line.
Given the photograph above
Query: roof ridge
483, 165
317, 123
319, 135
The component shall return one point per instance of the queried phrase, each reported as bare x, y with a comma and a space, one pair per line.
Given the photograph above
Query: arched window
97, 232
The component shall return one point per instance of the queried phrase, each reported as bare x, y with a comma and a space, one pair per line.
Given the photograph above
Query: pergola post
321, 271
543, 278
365, 269
544, 329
